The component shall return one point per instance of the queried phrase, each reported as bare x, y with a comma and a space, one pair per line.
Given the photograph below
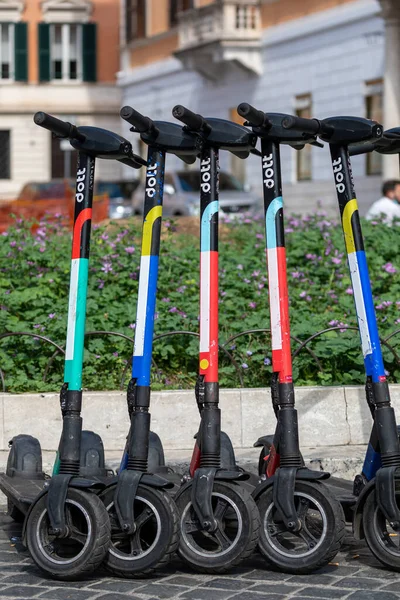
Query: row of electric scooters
215, 515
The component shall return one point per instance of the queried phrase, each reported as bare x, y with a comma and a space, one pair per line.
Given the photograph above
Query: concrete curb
328, 416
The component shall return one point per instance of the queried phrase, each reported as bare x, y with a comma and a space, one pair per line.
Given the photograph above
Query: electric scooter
376, 492
144, 518
218, 517
302, 523
66, 527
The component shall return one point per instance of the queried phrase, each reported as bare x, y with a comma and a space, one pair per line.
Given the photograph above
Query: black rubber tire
326, 548
163, 507
14, 512
243, 544
85, 504
374, 525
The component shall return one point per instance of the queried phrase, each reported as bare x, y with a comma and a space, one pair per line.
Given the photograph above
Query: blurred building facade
59, 56
310, 57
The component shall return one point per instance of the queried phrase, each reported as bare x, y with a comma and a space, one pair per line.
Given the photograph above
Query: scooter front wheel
382, 539
319, 538
83, 549
235, 537
156, 535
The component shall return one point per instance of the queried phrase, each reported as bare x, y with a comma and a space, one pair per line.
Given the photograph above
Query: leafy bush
34, 281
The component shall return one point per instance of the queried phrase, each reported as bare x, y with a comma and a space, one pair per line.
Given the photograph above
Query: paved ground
355, 576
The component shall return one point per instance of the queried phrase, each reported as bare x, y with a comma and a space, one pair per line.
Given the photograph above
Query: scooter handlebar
193, 121
141, 123
312, 126
58, 127
254, 117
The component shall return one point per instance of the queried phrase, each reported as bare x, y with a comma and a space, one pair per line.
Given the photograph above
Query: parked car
182, 195
120, 194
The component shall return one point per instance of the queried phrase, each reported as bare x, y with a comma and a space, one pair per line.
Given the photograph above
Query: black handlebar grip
57, 126
253, 116
311, 126
356, 149
192, 120
141, 123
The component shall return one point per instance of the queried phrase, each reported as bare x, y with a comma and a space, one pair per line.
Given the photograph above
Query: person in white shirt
388, 206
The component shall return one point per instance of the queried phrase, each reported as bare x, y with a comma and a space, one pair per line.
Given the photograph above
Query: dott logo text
205, 175
268, 171
151, 180
337, 169
80, 185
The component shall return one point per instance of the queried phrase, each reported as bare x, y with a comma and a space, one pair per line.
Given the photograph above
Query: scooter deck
342, 490
20, 491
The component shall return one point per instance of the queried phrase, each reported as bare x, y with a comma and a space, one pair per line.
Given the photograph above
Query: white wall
328, 54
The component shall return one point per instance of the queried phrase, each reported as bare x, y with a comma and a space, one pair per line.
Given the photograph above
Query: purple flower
260, 286
104, 236
115, 353
181, 289
52, 315
101, 284
165, 300
13, 243
240, 267
267, 361
311, 256
36, 326
259, 236
183, 314
252, 304
255, 273
107, 266
233, 347
349, 291
246, 280
42, 249
132, 326
335, 260
296, 274
97, 356
249, 352
222, 293
389, 268
303, 294
173, 309
244, 366
130, 249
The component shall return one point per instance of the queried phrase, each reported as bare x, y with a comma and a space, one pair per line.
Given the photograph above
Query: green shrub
34, 281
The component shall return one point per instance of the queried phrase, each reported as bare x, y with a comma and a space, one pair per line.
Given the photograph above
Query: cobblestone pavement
355, 575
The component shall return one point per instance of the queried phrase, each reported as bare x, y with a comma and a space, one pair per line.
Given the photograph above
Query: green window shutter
21, 51
89, 31
44, 52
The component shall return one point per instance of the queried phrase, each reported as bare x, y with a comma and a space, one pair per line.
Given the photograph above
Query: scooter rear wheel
235, 538
382, 539
83, 550
319, 539
155, 539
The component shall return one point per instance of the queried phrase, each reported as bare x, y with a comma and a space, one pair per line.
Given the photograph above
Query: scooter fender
265, 441
302, 474
358, 529
77, 482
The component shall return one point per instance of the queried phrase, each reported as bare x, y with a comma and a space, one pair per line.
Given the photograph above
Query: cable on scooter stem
60, 128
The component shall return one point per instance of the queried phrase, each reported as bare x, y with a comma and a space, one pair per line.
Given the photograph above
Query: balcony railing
227, 31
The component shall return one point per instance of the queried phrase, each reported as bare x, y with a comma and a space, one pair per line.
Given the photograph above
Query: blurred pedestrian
388, 207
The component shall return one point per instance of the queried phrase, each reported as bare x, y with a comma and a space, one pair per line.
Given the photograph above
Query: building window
66, 51
6, 51
303, 157
135, 20
177, 6
374, 111
5, 155
63, 159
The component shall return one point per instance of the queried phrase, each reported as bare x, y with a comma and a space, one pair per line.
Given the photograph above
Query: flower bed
34, 281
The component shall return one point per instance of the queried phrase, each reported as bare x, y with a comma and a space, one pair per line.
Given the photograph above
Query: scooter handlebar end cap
254, 116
